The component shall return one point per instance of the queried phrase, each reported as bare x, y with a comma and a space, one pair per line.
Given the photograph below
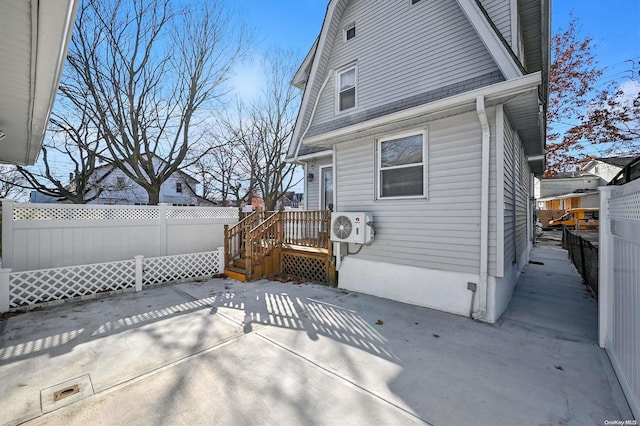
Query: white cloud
248, 79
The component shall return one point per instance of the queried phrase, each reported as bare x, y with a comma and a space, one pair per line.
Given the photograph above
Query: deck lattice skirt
313, 268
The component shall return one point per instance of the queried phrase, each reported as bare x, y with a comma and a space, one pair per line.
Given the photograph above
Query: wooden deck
287, 242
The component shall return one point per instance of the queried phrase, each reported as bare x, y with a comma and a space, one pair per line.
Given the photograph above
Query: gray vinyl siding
500, 13
400, 51
441, 232
312, 191
516, 191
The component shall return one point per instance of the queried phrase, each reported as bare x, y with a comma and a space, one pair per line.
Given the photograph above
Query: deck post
5, 277
226, 257
139, 272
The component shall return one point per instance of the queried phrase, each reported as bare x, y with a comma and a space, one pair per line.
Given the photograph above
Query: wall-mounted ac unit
351, 227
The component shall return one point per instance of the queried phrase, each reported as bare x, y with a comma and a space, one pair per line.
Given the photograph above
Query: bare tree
73, 140
222, 176
583, 119
153, 72
11, 182
262, 132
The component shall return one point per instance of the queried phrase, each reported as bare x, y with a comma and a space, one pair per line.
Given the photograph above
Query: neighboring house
568, 190
118, 188
429, 116
607, 167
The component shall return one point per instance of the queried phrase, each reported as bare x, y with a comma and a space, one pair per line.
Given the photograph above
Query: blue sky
614, 26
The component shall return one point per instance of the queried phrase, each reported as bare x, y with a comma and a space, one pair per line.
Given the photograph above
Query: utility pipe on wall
481, 310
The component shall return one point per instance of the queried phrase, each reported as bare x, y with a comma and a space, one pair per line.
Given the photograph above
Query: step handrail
234, 236
262, 240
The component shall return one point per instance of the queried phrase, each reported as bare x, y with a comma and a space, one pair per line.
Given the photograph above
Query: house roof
183, 173
34, 37
571, 175
525, 108
569, 195
619, 161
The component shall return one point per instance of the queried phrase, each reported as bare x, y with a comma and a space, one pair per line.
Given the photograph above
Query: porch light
310, 177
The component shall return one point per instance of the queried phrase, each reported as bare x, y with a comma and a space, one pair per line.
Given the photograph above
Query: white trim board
490, 39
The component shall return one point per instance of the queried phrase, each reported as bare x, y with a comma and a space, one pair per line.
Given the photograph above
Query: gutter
481, 310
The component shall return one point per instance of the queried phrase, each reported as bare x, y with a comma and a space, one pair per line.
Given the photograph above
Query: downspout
337, 248
481, 310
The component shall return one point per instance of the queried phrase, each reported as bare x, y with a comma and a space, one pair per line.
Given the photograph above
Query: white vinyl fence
44, 286
43, 236
619, 285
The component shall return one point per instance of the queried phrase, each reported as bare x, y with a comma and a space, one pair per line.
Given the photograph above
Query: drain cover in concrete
65, 393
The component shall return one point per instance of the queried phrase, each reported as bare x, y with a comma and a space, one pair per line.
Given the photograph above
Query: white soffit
34, 37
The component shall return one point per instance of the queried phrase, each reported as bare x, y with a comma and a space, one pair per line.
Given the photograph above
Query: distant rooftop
619, 161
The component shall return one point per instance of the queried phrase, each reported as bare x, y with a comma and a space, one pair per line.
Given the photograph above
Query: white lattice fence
619, 285
47, 285
28, 288
181, 267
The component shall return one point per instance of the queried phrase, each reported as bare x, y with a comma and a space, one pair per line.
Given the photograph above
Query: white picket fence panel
42, 236
45, 286
619, 285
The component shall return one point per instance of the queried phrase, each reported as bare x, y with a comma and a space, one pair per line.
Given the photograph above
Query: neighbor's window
178, 186
350, 32
415, 1
120, 181
401, 166
347, 89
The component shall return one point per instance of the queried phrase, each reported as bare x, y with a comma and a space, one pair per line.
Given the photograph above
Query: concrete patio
224, 352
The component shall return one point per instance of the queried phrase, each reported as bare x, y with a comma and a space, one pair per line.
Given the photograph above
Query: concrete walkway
224, 352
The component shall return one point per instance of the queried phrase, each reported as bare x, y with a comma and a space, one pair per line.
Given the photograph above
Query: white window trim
347, 28
339, 72
320, 182
425, 162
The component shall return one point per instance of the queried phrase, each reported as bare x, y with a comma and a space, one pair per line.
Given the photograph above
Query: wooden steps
236, 273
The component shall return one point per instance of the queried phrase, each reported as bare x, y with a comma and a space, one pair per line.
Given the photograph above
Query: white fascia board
300, 79
304, 105
50, 45
490, 39
315, 155
569, 195
503, 89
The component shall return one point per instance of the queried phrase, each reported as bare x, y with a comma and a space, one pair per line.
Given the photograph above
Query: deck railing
235, 236
262, 241
309, 228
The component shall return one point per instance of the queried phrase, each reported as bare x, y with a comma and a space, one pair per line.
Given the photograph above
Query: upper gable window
350, 32
402, 166
178, 186
347, 89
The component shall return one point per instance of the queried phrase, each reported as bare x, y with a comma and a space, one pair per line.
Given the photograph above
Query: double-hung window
347, 89
402, 166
